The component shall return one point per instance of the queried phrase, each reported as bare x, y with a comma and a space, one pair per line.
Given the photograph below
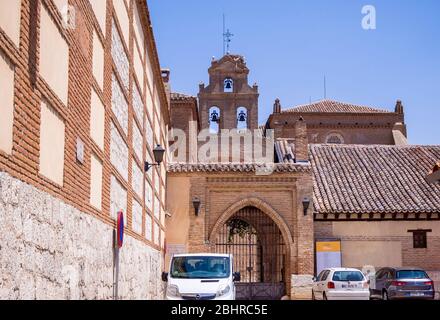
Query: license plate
416, 294
349, 286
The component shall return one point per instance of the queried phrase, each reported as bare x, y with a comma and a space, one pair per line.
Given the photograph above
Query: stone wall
119, 152
301, 287
50, 250
120, 57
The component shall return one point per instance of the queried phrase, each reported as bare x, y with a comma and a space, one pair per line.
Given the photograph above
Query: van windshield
200, 267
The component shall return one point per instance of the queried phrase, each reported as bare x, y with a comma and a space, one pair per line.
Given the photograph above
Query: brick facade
225, 186
136, 116
279, 196
391, 231
243, 95
353, 126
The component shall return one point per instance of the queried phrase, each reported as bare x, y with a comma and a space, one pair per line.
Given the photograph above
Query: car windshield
200, 267
348, 276
411, 274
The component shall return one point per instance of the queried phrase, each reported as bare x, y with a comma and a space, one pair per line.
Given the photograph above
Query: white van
201, 277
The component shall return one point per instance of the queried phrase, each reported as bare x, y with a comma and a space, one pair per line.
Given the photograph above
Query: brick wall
278, 195
183, 116
127, 130
385, 232
243, 95
354, 128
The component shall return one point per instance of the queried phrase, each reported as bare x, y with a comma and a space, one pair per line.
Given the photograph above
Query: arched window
214, 119
334, 138
228, 85
242, 118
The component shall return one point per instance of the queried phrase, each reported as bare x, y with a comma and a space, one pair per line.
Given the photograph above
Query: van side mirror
236, 277
314, 279
165, 276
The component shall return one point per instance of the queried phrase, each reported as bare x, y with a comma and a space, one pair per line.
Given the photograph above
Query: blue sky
290, 45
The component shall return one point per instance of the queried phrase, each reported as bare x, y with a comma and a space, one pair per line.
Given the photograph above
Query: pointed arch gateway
260, 241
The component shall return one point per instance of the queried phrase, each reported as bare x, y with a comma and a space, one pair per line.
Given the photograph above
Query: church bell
214, 116
242, 116
228, 84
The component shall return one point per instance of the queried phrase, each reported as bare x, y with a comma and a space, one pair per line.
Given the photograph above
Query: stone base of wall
50, 250
301, 287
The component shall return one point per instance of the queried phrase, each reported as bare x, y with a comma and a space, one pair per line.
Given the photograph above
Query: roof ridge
322, 103
177, 96
367, 146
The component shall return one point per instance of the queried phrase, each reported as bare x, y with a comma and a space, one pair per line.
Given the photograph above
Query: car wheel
324, 296
384, 295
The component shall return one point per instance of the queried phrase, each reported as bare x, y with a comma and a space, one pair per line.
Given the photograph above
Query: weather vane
227, 37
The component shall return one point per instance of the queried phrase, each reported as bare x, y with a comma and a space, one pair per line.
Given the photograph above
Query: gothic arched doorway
259, 253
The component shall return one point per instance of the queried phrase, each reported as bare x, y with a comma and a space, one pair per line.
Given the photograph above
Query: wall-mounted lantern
196, 205
158, 153
306, 204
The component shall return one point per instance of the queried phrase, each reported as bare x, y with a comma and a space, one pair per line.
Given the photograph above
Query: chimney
277, 106
399, 107
166, 82
301, 141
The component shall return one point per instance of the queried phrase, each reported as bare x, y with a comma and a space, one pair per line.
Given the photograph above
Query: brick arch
259, 204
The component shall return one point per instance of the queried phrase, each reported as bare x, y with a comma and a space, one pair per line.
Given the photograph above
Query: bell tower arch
229, 91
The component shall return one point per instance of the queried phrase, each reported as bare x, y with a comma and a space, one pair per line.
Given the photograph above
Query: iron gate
258, 249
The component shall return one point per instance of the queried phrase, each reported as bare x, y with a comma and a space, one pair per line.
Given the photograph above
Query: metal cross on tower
227, 37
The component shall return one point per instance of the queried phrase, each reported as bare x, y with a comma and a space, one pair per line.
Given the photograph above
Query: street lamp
306, 204
196, 205
158, 153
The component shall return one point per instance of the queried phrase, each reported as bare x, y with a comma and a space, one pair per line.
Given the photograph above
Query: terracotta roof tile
285, 150
235, 167
181, 97
374, 179
331, 106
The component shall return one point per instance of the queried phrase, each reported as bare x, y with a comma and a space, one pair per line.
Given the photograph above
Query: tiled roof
236, 167
331, 106
181, 97
374, 179
285, 150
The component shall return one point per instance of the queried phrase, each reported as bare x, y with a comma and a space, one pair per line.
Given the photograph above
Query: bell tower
228, 102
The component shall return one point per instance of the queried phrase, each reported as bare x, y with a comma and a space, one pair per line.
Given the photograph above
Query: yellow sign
334, 246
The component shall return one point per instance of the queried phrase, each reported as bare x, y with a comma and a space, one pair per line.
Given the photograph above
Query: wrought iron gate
257, 246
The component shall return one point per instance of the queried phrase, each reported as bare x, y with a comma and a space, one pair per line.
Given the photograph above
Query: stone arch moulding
259, 204
334, 137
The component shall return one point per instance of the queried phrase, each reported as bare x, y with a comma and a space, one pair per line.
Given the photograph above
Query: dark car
402, 283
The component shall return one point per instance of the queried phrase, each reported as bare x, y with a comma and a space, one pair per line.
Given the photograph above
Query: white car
341, 284
203, 276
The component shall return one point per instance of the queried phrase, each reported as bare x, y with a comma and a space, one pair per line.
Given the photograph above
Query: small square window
420, 239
